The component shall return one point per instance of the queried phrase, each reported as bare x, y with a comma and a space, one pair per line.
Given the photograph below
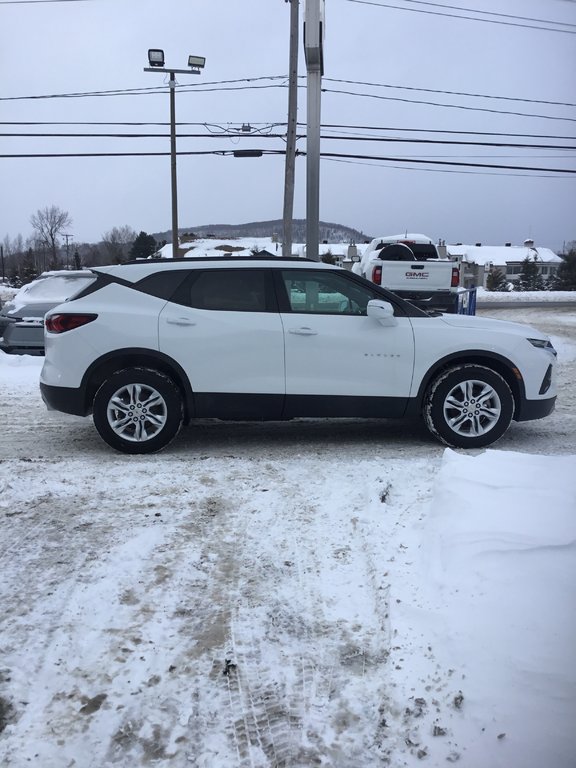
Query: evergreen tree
530, 278
328, 257
29, 271
496, 280
143, 247
565, 278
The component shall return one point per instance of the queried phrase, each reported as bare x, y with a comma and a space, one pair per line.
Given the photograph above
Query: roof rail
191, 259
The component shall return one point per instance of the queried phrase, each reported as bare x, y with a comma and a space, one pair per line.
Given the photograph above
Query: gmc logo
421, 275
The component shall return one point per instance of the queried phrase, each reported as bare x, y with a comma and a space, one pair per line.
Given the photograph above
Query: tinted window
325, 293
162, 284
421, 251
231, 290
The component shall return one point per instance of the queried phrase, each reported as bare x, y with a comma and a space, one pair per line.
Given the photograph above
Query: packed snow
345, 594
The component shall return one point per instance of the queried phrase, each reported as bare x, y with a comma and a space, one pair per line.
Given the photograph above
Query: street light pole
195, 63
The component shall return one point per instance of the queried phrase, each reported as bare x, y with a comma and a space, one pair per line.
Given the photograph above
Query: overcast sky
409, 51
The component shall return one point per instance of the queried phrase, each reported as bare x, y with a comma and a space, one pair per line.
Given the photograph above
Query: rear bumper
65, 399
442, 301
535, 409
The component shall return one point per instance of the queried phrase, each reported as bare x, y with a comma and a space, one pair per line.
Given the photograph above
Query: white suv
152, 344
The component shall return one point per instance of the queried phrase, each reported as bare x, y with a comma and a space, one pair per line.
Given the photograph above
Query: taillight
377, 275
455, 282
67, 322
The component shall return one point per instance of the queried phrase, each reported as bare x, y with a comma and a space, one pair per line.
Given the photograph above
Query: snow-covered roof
414, 237
500, 254
213, 246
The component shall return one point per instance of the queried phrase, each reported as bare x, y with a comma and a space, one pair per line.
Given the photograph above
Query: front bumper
535, 409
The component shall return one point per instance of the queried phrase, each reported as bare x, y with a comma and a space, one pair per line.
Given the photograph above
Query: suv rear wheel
469, 406
138, 410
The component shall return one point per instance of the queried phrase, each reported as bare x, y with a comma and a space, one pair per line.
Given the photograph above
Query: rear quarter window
227, 290
163, 284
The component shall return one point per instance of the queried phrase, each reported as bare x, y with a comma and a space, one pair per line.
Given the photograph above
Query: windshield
420, 250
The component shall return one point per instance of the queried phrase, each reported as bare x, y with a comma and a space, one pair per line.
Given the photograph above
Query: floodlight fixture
199, 62
156, 57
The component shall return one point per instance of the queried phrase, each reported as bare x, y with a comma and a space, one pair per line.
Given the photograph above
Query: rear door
224, 329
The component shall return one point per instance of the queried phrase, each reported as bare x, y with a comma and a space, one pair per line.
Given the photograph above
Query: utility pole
173, 179
67, 247
313, 48
2, 259
291, 131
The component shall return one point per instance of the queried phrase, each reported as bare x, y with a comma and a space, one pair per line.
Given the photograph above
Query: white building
478, 260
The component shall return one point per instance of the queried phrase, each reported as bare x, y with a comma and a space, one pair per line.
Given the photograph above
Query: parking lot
231, 601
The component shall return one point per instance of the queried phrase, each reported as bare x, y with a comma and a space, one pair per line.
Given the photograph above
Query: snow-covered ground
303, 594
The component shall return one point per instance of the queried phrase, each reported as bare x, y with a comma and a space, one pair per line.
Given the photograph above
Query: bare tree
117, 242
49, 223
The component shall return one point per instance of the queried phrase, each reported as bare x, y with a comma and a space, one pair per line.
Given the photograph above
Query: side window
325, 293
162, 284
231, 290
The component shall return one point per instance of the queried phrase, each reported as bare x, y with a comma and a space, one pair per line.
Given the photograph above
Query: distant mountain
331, 233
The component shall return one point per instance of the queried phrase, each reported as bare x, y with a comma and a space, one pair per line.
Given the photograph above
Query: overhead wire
488, 13
448, 106
326, 126
151, 90
238, 134
298, 153
467, 18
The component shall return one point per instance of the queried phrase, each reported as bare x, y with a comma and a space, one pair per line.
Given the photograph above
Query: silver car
22, 318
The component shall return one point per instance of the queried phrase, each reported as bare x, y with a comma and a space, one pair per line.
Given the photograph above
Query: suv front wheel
138, 410
469, 406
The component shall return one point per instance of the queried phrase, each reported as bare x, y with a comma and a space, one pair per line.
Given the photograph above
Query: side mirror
382, 311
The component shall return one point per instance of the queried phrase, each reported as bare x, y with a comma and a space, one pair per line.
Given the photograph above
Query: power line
444, 162
202, 89
204, 86
327, 126
467, 18
36, 2
446, 170
447, 106
227, 152
157, 89
488, 13
450, 93
459, 133
388, 139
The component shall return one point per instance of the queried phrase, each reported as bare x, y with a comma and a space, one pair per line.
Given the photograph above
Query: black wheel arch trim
138, 357
493, 360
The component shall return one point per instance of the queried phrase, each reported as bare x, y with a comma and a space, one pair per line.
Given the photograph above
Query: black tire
138, 410
469, 406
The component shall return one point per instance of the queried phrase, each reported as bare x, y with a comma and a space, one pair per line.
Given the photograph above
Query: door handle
304, 331
180, 321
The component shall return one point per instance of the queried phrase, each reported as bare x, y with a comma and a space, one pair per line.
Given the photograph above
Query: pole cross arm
190, 71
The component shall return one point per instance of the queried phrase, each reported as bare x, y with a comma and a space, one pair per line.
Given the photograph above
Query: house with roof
478, 260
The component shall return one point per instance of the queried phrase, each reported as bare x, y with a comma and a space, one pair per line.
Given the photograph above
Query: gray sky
81, 46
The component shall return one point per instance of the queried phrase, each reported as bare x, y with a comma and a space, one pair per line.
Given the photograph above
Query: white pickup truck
410, 266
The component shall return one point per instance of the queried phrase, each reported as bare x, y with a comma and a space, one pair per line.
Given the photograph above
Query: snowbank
490, 600
506, 296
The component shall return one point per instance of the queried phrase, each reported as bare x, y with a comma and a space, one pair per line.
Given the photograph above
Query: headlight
543, 344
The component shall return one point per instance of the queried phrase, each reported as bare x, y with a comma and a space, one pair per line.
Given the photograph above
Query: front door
339, 361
